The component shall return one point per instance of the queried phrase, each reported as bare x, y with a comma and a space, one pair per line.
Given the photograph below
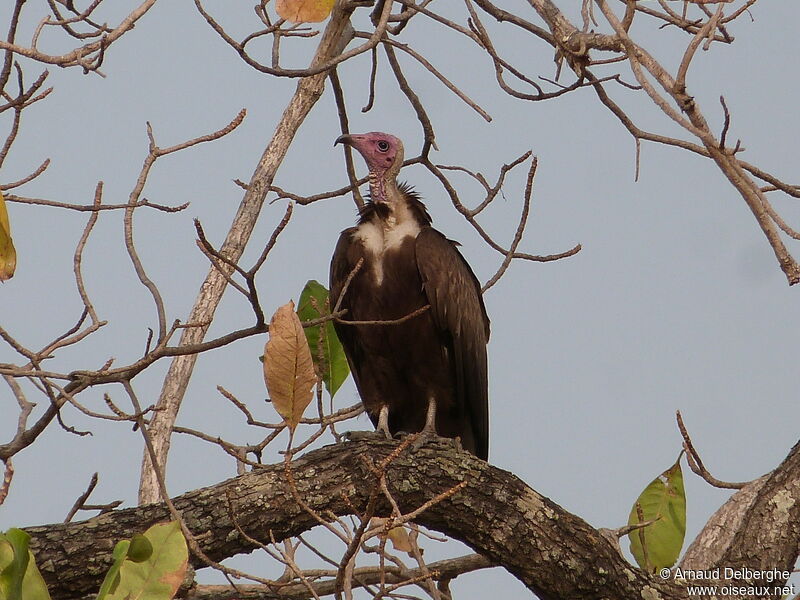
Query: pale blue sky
675, 302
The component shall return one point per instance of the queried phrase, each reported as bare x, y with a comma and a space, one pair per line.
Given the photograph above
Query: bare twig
82, 499
696, 464
520, 228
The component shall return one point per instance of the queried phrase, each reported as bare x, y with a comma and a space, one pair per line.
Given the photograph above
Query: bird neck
390, 205
382, 191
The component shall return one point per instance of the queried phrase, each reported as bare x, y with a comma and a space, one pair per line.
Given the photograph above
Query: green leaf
659, 544
141, 549
15, 564
156, 577
111, 580
19, 577
331, 361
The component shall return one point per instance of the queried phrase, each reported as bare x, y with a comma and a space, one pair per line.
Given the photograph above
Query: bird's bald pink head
382, 152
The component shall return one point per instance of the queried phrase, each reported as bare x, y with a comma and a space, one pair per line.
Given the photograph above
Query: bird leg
383, 422
430, 417
381, 429
428, 432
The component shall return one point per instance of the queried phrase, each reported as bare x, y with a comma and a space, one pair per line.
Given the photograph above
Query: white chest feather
380, 238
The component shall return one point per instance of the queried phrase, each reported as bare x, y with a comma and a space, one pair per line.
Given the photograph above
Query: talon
429, 433
424, 438
361, 436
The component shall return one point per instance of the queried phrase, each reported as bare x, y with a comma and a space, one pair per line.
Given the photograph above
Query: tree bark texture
553, 552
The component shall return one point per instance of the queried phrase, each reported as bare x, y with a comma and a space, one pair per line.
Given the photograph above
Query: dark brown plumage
436, 359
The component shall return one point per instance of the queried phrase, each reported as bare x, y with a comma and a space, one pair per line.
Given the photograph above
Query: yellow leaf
8, 256
288, 367
304, 11
401, 540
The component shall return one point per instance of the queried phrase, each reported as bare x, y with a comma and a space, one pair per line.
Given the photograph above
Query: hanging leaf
8, 256
398, 536
332, 362
304, 11
288, 367
400, 539
111, 580
19, 577
658, 545
152, 565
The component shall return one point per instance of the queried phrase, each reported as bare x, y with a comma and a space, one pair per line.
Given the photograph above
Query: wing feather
341, 266
454, 294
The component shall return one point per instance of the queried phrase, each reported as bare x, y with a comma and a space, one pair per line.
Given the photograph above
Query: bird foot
362, 436
427, 436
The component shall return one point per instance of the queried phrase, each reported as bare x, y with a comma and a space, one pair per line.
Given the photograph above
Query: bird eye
383, 145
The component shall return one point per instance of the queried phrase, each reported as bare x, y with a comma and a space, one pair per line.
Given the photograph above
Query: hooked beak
344, 139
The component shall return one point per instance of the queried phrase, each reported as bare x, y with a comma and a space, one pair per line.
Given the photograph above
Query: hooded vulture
426, 373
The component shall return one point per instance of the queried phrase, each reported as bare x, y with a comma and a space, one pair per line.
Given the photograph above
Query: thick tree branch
554, 553
772, 523
757, 529
709, 546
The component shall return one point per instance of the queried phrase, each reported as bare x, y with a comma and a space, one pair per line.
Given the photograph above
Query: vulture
426, 373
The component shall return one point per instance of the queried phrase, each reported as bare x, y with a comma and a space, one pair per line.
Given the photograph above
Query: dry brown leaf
304, 11
8, 256
288, 367
401, 540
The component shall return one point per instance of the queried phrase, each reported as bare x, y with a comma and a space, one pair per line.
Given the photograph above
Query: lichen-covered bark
771, 525
554, 553
710, 545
